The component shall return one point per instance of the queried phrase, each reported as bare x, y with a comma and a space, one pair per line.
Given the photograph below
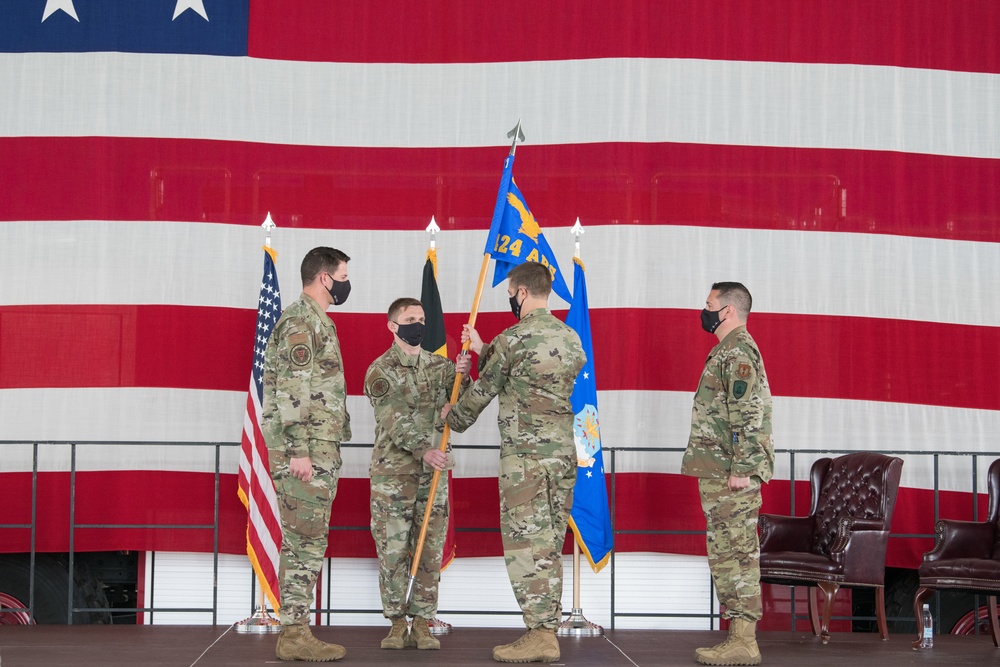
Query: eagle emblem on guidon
586, 436
529, 226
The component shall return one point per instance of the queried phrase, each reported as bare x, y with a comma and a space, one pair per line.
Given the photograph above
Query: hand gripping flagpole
577, 625
261, 622
517, 135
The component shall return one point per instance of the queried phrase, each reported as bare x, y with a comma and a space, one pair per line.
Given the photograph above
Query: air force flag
590, 519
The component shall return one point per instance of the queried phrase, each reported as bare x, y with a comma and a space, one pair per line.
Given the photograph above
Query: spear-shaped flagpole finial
577, 231
433, 229
268, 225
517, 135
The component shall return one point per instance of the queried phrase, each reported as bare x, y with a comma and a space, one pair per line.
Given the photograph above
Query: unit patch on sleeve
379, 388
301, 355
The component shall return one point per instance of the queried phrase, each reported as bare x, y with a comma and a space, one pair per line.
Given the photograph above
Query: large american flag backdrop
841, 158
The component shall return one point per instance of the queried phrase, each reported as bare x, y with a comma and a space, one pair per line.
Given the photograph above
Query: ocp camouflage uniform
731, 435
532, 367
407, 392
304, 413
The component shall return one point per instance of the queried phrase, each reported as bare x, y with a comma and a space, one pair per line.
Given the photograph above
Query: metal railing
812, 454
71, 609
611, 462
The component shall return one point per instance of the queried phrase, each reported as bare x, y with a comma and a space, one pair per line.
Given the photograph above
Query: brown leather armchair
965, 558
843, 541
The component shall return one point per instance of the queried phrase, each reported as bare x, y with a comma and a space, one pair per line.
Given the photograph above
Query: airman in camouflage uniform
304, 419
407, 387
731, 454
531, 366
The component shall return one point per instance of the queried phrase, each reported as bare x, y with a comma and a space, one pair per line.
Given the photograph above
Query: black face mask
710, 319
411, 334
515, 307
339, 291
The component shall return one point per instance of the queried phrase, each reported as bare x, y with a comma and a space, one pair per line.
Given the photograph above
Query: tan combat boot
740, 648
296, 642
398, 634
537, 645
421, 634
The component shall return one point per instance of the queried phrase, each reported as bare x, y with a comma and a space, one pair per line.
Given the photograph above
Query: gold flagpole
455, 388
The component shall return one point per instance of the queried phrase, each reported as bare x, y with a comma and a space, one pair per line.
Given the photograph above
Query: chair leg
812, 593
829, 589
883, 629
922, 596
991, 606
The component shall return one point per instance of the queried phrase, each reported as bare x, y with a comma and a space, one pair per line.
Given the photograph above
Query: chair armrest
962, 539
842, 540
848, 528
785, 533
860, 547
865, 524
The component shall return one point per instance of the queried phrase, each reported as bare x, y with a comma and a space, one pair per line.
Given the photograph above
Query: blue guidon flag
516, 237
591, 518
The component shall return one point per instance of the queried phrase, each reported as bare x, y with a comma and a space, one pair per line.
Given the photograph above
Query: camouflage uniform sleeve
494, 369
296, 350
740, 377
444, 380
393, 413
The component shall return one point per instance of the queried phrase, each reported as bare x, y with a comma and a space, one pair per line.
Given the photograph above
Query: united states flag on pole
256, 489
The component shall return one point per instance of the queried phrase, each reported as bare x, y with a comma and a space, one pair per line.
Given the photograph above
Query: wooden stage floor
218, 646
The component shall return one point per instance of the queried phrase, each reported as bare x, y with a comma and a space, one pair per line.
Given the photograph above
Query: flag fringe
252, 555
261, 579
596, 567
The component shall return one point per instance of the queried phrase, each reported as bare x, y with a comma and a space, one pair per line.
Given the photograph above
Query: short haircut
401, 304
532, 276
735, 294
319, 260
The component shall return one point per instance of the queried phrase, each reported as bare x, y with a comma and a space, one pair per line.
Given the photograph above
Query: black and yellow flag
435, 340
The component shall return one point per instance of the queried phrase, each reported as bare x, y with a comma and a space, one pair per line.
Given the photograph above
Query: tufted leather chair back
854, 486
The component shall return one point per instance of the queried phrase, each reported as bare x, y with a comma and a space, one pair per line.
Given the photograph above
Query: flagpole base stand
438, 627
578, 626
260, 622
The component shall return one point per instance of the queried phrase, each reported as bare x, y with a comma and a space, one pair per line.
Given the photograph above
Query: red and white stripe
258, 495
841, 159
